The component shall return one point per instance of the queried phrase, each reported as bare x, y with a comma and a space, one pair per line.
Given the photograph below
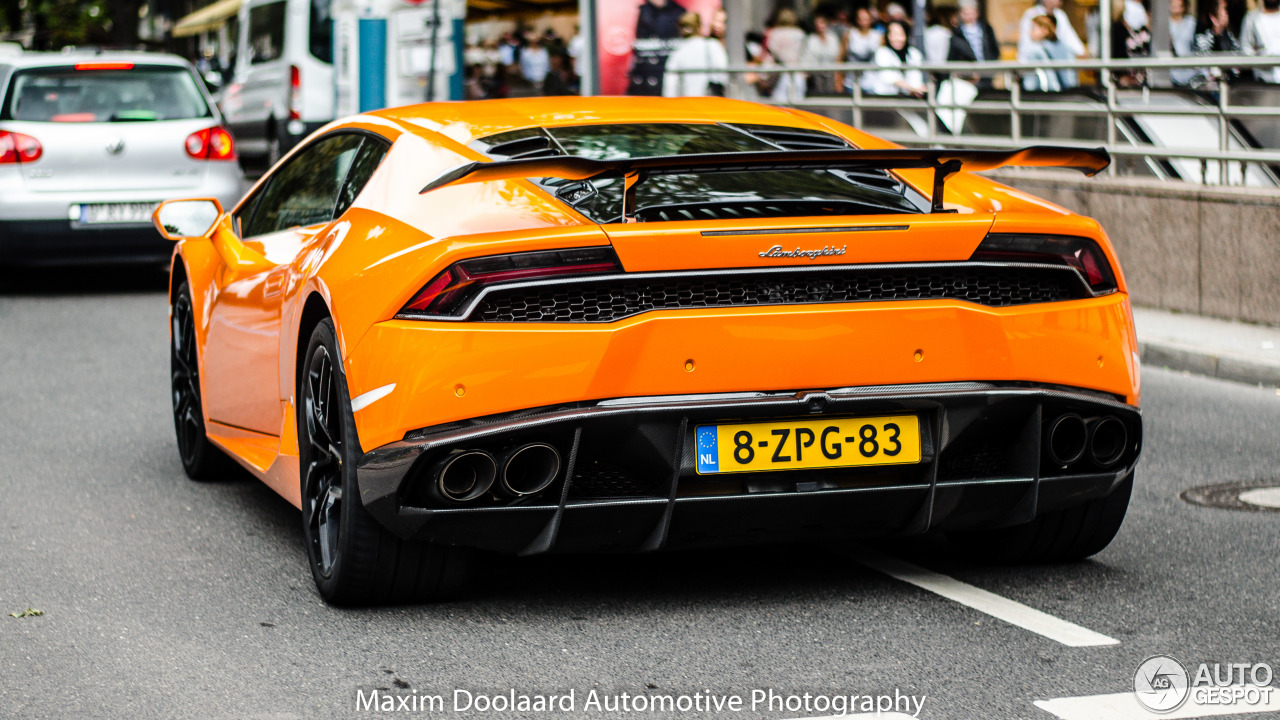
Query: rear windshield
135, 94
725, 195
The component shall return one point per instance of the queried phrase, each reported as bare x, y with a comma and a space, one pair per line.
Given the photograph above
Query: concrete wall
1192, 248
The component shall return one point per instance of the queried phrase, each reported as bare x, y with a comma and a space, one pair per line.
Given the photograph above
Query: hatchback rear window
126, 94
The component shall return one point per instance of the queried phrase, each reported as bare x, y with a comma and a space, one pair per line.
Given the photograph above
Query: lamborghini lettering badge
777, 252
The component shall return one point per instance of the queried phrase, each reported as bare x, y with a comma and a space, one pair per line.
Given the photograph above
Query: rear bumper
56, 242
629, 481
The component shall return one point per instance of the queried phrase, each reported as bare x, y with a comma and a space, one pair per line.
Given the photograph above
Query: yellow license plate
805, 444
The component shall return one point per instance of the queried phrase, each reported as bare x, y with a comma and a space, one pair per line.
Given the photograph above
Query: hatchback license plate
137, 213
808, 444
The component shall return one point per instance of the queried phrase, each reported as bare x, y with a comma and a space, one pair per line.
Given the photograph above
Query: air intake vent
535, 146
795, 138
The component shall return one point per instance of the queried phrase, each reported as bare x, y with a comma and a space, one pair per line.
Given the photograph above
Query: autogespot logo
1161, 684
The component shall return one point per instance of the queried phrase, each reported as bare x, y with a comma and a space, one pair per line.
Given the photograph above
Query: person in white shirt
1182, 36
860, 46
1260, 35
1066, 34
698, 53
785, 42
937, 37
897, 58
535, 63
822, 48
1043, 32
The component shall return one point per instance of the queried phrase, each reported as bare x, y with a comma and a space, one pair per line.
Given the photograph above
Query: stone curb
1203, 362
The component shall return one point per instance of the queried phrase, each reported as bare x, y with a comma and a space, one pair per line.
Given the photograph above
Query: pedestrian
704, 56
973, 41
860, 46
937, 37
785, 42
1066, 33
863, 39
1260, 35
1127, 42
1182, 37
1042, 32
822, 47
897, 59
535, 63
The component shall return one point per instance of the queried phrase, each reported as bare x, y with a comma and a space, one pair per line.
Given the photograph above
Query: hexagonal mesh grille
606, 300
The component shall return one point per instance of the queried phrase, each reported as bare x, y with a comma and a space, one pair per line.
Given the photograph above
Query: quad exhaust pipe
1107, 440
1068, 437
529, 469
464, 476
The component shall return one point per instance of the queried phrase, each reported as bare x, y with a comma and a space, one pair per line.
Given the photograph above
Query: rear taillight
18, 148
213, 143
1080, 253
452, 290
295, 93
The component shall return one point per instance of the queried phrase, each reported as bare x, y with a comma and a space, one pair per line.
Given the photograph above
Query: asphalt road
165, 598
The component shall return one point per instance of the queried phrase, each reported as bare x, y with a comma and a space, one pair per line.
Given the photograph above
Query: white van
282, 86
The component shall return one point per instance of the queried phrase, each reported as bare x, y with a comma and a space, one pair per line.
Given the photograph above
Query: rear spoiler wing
944, 164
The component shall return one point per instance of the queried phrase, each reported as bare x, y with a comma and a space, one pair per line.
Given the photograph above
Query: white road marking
1125, 706
1003, 608
1266, 497
361, 402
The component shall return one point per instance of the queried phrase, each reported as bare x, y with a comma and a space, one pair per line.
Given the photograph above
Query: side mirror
184, 219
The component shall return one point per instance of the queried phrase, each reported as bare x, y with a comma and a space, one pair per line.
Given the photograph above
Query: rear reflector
18, 148
454, 288
1080, 253
213, 143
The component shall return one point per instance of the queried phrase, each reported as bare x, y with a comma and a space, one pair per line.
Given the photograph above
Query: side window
371, 154
321, 26
305, 191
266, 32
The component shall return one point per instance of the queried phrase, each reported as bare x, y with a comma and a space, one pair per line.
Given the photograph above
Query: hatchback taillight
18, 148
453, 289
1080, 253
213, 143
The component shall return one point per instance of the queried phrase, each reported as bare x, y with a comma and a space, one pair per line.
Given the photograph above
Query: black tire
1061, 536
354, 560
201, 459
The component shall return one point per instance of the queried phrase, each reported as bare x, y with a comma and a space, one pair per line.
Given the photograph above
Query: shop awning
209, 17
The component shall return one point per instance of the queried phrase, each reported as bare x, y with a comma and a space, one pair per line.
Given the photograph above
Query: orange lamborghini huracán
611, 324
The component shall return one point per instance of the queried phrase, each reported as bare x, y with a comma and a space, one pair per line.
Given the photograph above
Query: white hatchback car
90, 144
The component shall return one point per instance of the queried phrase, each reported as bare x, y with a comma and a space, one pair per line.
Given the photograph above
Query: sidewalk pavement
1207, 346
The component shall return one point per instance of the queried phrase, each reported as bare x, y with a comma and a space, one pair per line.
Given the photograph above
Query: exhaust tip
464, 476
1107, 440
529, 469
1066, 439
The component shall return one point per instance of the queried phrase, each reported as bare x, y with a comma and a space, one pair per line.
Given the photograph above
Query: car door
282, 220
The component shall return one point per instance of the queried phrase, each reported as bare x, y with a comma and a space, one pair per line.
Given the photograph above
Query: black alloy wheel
354, 560
200, 459
324, 437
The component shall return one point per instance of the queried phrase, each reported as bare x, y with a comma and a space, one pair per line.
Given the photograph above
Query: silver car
90, 144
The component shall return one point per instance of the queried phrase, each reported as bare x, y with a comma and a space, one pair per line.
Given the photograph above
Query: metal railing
1016, 107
